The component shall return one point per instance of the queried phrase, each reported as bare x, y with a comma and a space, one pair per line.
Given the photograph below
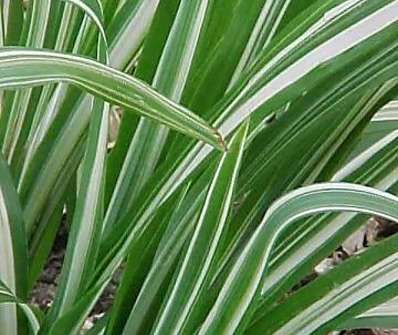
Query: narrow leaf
194, 271
21, 68
243, 285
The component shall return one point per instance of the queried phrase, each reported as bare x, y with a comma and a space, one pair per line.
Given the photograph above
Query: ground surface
44, 291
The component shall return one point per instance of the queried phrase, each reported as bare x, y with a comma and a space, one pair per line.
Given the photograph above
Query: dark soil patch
44, 291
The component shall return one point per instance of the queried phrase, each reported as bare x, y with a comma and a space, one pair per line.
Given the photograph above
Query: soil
44, 291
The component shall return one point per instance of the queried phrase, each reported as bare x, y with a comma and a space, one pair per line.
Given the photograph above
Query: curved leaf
170, 78
243, 285
15, 119
22, 68
319, 23
383, 316
93, 8
6, 296
361, 283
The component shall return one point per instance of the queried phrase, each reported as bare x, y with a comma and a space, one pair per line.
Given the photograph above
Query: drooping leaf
361, 283
41, 67
242, 287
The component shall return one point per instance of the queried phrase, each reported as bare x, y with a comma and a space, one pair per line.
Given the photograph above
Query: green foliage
256, 137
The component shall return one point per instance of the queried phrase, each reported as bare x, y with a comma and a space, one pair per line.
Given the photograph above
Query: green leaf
71, 322
383, 123
178, 231
306, 244
136, 273
13, 18
271, 169
93, 9
242, 287
383, 316
17, 115
221, 47
170, 79
262, 34
361, 283
274, 93
270, 173
48, 107
6, 296
146, 69
50, 96
128, 29
310, 75
13, 246
87, 221
135, 93
194, 273
275, 78
41, 67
